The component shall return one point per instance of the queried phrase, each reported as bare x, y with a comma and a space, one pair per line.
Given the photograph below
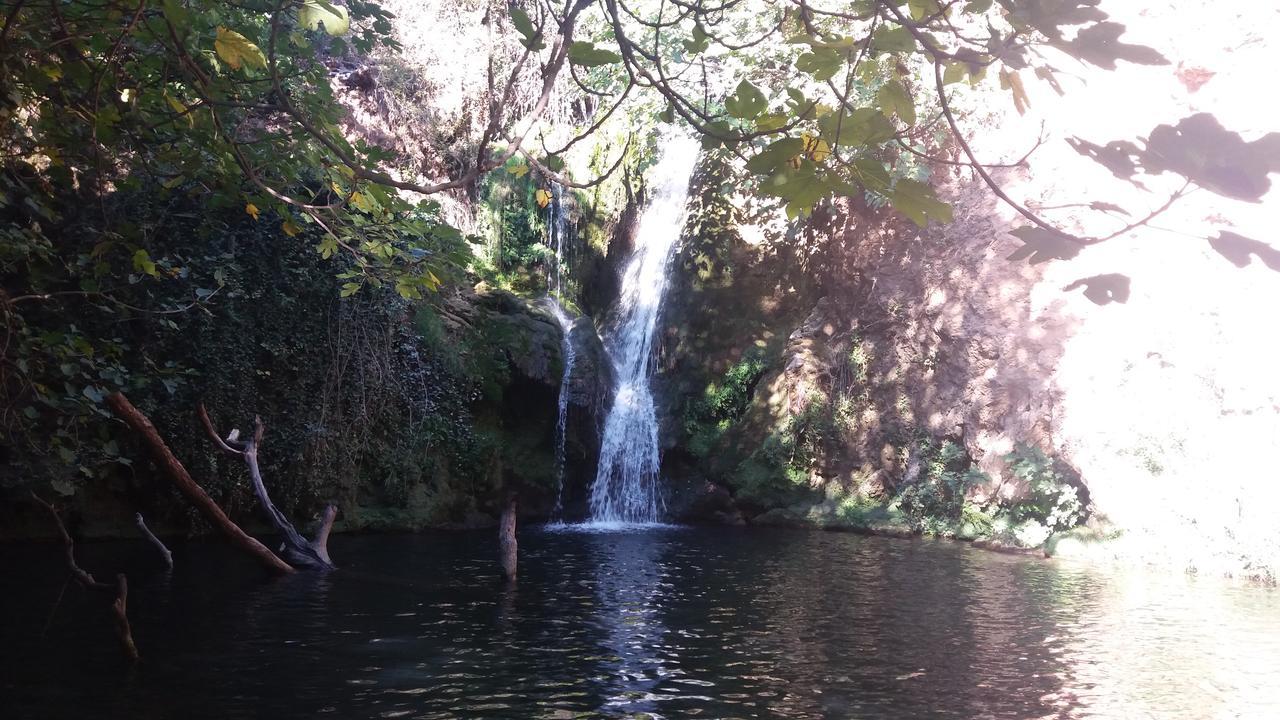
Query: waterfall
557, 240
626, 484
562, 406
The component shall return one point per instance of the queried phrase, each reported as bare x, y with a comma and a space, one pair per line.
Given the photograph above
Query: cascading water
562, 411
557, 241
626, 484
558, 227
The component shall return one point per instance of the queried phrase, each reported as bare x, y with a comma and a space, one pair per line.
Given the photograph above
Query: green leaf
894, 100
921, 9
821, 63
349, 289
772, 121
236, 50
893, 39
798, 102
587, 54
716, 132
775, 156
872, 175
746, 102
862, 127
316, 15
919, 203
699, 42
405, 289
524, 26
176, 14
978, 6
328, 246
803, 187
142, 263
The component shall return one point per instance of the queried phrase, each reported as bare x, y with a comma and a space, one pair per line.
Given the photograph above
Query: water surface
673, 623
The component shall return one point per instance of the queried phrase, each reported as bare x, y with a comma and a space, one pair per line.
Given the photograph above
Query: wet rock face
591, 382
876, 338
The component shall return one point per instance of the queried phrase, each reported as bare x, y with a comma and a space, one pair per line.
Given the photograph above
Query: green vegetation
1051, 499
722, 403
935, 502
190, 212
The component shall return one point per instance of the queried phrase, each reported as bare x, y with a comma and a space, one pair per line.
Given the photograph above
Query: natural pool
675, 622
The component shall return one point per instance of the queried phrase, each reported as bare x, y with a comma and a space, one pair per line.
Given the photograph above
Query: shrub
1051, 500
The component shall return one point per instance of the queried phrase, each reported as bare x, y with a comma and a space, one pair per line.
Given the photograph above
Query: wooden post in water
507, 550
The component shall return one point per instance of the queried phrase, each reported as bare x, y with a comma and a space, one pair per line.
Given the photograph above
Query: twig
119, 607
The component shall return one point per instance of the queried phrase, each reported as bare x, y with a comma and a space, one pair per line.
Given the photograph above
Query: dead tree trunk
297, 550
321, 541
196, 495
507, 547
155, 541
119, 606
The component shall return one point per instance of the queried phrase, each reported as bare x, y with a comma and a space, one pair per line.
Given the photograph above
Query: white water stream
626, 485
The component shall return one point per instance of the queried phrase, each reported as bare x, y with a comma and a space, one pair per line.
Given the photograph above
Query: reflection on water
653, 622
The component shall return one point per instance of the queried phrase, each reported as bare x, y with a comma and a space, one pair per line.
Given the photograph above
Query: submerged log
507, 547
194, 494
155, 541
320, 543
297, 550
119, 606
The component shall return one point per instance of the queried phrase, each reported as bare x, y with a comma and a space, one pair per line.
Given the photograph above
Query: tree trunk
507, 547
196, 495
297, 550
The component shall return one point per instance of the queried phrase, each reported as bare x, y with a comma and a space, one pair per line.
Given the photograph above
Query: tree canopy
127, 122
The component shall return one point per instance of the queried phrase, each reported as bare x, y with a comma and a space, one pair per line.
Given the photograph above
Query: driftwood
155, 541
507, 546
119, 606
297, 550
196, 495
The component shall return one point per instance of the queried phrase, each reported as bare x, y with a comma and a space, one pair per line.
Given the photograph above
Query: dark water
670, 623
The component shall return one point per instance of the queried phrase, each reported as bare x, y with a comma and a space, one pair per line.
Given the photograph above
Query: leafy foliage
935, 501
1050, 500
722, 403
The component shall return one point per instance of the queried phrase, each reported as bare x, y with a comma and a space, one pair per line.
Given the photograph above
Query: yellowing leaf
360, 202
543, 197
290, 229
179, 108
142, 262
1010, 80
519, 170
815, 148
252, 210
236, 50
